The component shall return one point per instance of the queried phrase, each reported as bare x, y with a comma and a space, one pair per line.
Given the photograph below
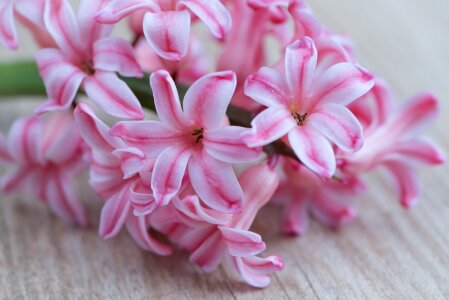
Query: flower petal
406, 180
300, 64
268, 87
113, 96
339, 125
210, 254
341, 84
142, 200
8, 34
4, 152
215, 183
14, 180
254, 270
421, 149
24, 141
242, 242
114, 213
119, 9
191, 207
116, 55
313, 150
212, 12
166, 100
168, 33
90, 28
168, 172
208, 98
270, 125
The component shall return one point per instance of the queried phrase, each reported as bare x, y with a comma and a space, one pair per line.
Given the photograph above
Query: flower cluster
235, 131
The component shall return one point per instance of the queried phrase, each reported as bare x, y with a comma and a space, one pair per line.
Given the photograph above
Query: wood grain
388, 253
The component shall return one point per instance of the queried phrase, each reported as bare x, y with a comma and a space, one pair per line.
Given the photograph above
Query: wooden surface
388, 253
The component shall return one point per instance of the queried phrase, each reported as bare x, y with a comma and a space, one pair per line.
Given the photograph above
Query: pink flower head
310, 110
211, 236
44, 156
166, 24
118, 174
193, 138
87, 57
393, 141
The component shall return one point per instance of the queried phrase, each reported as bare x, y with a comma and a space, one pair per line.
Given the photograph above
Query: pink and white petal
313, 150
113, 96
24, 141
14, 180
8, 34
5, 156
166, 100
332, 212
142, 199
94, 131
300, 64
132, 161
339, 125
270, 125
341, 84
90, 28
421, 149
114, 213
119, 9
254, 270
138, 228
168, 33
150, 136
62, 200
242, 242
268, 87
116, 55
61, 23
267, 3
210, 254
169, 171
192, 208
212, 12
215, 183
226, 144
208, 98
406, 181
296, 215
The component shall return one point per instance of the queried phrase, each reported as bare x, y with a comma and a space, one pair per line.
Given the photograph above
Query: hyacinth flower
311, 111
393, 140
166, 24
43, 158
118, 174
194, 139
211, 236
86, 57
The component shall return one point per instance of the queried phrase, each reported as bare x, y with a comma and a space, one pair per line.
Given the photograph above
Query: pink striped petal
254, 270
300, 64
116, 55
119, 9
150, 136
215, 183
242, 242
421, 149
14, 180
142, 199
191, 207
4, 152
114, 213
8, 34
296, 216
208, 98
268, 87
63, 202
313, 150
338, 124
332, 212
113, 96
24, 141
210, 254
268, 3
226, 144
166, 99
270, 125
92, 30
132, 161
406, 181
341, 84
138, 228
168, 33
212, 12
169, 171
61, 23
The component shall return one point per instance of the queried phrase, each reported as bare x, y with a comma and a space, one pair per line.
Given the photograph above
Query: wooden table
387, 253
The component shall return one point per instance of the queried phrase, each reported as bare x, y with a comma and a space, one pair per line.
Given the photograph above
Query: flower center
300, 119
88, 67
198, 134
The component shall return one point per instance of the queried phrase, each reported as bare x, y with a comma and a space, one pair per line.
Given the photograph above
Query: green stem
20, 79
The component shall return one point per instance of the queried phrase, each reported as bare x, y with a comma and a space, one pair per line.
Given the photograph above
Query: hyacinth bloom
87, 57
193, 139
166, 24
118, 174
310, 110
43, 157
393, 140
211, 236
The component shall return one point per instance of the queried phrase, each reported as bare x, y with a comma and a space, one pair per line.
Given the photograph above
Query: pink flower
211, 236
310, 110
166, 24
118, 174
87, 57
192, 139
44, 156
393, 141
